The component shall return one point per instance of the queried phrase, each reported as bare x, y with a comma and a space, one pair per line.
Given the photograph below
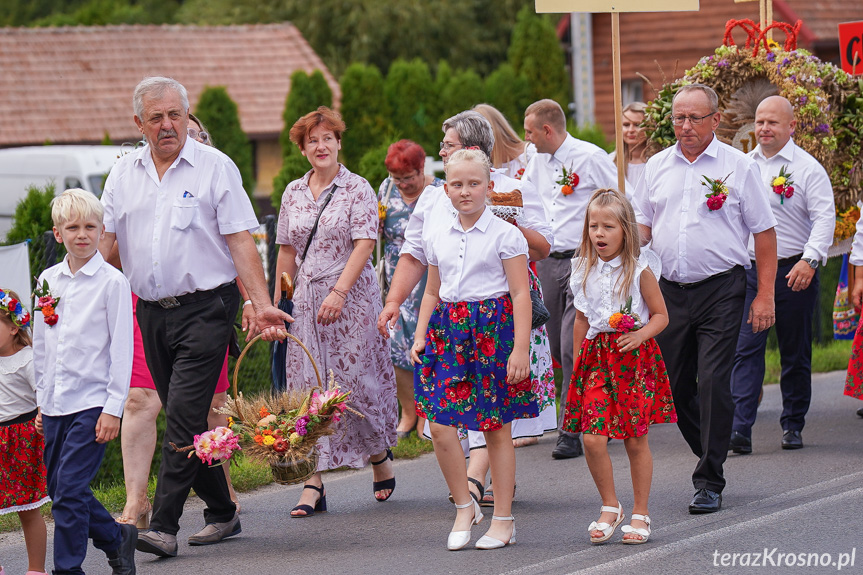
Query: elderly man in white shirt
702, 242
181, 220
586, 168
805, 217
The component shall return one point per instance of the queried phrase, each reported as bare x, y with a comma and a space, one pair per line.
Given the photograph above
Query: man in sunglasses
699, 201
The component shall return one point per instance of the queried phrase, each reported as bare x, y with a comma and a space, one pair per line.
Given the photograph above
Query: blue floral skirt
461, 381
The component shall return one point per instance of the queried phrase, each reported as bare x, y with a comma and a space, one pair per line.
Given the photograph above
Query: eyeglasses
693, 120
406, 179
446, 146
202, 137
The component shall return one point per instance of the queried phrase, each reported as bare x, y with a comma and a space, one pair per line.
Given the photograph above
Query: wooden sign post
765, 14
615, 8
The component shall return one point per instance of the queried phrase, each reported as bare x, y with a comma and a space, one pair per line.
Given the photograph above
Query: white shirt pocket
184, 213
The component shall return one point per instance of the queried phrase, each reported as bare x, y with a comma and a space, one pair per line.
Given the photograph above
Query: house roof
73, 84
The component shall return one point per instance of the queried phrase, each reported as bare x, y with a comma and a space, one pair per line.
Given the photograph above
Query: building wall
268, 163
674, 40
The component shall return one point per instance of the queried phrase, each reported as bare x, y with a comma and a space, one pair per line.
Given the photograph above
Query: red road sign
851, 47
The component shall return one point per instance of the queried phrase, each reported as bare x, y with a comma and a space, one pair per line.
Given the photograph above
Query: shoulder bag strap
315, 227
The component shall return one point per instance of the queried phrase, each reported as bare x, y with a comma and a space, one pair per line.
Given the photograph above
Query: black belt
24, 417
682, 285
788, 261
185, 299
567, 255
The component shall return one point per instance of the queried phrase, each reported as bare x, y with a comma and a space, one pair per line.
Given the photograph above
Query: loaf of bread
512, 198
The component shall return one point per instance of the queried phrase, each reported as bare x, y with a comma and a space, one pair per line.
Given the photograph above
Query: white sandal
644, 533
607, 530
458, 539
486, 542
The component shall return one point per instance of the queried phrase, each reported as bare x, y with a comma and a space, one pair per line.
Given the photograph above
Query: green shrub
220, 115
410, 93
535, 52
294, 166
510, 93
364, 110
463, 91
372, 166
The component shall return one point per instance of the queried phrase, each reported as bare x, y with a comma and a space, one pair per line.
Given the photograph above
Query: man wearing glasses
699, 201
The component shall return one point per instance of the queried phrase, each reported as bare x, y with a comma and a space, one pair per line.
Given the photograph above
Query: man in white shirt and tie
703, 244
802, 202
565, 171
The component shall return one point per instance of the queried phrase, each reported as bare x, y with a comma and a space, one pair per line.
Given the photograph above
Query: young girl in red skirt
619, 385
23, 486
472, 343
854, 379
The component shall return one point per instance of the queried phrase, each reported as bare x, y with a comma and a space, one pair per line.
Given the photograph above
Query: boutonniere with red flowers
46, 303
568, 182
519, 173
782, 185
718, 192
625, 321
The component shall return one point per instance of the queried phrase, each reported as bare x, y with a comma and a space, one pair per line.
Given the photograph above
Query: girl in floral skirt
854, 378
619, 384
22, 471
471, 348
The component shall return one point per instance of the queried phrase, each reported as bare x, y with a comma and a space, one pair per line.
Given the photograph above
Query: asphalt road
783, 512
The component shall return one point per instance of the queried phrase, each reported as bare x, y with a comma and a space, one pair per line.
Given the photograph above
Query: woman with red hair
336, 303
399, 194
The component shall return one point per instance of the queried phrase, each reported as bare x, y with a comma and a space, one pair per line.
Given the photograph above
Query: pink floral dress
352, 347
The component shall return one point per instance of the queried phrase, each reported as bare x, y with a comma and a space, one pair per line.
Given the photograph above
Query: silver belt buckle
169, 302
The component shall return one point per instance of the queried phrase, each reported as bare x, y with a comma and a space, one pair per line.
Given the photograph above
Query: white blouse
598, 300
470, 261
17, 384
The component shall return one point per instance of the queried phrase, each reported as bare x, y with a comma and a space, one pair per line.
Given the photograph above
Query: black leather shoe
567, 447
740, 443
860, 412
122, 559
792, 440
705, 501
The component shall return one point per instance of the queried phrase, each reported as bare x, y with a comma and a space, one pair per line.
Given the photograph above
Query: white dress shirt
85, 359
470, 261
17, 385
856, 257
434, 210
170, 231
805, 221
693, 241
598, 300
566, 213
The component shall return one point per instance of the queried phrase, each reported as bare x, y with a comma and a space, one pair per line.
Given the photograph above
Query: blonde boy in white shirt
82, 362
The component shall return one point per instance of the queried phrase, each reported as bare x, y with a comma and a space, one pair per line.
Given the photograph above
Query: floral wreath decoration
20, 317
828, 105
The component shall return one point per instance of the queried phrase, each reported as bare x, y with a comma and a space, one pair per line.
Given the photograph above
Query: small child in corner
619, 384
22, 472
82, 361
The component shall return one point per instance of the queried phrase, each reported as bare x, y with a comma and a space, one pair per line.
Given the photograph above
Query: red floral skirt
854, 379
618, 394
22, 468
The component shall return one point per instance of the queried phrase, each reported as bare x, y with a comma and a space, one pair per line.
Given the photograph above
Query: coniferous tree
510, 93
535, 52
410, 93
220, 115
463, 91
364, 110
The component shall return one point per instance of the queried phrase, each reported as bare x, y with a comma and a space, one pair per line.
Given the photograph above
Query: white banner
15, 272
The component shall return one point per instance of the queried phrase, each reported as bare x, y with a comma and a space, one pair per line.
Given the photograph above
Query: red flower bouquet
718, 192
568, 182
625, 321
782, 185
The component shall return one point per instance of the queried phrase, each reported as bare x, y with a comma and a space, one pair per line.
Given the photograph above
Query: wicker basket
287, 470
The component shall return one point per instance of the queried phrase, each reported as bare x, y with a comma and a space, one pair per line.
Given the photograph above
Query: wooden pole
769, 20
618, 102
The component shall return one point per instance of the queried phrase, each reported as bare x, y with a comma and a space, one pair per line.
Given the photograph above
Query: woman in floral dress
398, 195
336, 302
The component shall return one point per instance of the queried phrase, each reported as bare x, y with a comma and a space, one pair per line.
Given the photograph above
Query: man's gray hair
473, 130
712, 98
155, 87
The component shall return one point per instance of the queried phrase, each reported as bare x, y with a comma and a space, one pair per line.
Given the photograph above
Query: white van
66, 166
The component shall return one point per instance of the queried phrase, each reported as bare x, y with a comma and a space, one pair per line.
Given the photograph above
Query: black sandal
320, 506
386, 483
479, 487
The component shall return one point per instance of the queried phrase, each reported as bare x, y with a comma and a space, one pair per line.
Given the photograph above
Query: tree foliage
411, 96
535, 52
508, 92
220, 115
364, 110
32, 215
464, 90
308, 92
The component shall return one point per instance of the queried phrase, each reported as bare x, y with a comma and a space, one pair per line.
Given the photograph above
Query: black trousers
698, 348
794, 310
185, 349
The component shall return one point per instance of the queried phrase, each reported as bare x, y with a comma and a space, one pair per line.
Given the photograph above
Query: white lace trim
13, 363
27, 507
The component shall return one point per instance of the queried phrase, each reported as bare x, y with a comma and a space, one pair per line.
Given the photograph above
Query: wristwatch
813, 263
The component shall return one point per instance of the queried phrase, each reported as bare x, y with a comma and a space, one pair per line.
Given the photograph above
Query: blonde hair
507, 145
548, 112
75, 203
622, 211
22, 337
472, 155
636, 108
